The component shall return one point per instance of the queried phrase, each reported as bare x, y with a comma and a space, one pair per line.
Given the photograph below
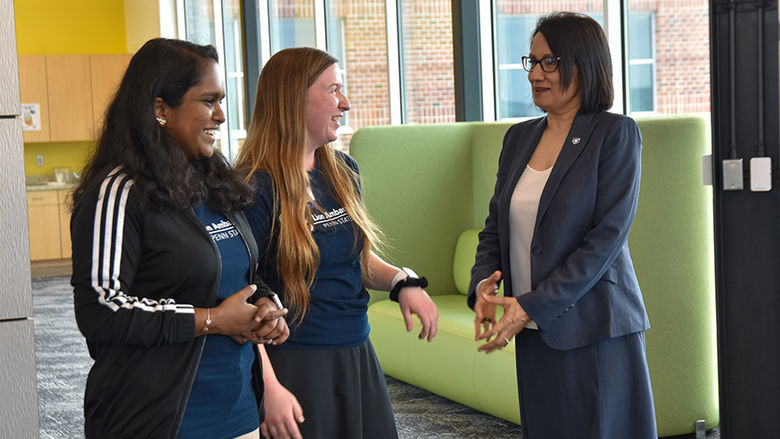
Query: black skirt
342, 391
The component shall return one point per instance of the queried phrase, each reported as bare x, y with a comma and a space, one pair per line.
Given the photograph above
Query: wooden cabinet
43, 220
72, 90
63, 198
33, 89
106, 73
48, 218
70, 97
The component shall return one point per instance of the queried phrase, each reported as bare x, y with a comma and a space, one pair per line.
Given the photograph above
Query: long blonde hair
276, 143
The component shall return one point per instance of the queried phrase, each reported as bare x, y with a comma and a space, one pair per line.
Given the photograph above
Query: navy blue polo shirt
222, 401
337, 312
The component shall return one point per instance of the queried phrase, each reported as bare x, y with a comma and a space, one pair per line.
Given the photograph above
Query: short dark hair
580, 42
131, 137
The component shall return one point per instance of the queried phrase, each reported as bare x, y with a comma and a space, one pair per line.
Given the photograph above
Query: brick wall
429, 77
682, 56
366, 62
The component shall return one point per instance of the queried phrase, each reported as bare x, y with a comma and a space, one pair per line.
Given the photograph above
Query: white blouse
523, 208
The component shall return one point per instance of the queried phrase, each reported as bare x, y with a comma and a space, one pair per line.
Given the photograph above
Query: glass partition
199, 21
233, 60
291, 24
669, 56
219, 23
428, 78
357, 36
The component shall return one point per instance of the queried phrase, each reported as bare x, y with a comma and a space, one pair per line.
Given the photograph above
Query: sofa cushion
449, 366
463, 260
455, 317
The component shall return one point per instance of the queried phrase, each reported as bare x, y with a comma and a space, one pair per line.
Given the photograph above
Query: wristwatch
411, 280
275, 298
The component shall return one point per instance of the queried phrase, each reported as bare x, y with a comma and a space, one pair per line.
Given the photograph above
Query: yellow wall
56, 154
70, 26
142, 21
67, 27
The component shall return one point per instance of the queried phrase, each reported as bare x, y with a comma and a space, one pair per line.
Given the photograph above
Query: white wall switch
761, 174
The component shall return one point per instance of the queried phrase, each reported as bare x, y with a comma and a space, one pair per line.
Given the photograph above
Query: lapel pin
575, 140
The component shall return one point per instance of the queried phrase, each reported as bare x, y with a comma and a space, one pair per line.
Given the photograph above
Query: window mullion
181, 20
393, 62
264, 29
320, 25
219, 43
487, 61
614, 28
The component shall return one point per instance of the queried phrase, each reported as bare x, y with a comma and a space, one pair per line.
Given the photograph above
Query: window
218, 23
291, 24
428, 90
337, 48
641, 62
199, 21
512, 43
233, 58
357, 36
397, 55
677, 32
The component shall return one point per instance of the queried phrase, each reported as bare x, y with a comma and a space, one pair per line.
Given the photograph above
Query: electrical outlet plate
39, 159
761, 174
732, 175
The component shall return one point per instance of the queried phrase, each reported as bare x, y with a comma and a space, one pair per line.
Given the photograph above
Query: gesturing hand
511, 323
414, 300
486, 311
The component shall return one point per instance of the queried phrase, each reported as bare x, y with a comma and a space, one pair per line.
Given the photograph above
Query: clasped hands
496, 334
261, 323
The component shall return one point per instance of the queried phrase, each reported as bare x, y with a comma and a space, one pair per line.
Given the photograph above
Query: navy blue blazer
584, 288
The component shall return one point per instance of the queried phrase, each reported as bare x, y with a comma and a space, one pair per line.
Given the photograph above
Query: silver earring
161, 121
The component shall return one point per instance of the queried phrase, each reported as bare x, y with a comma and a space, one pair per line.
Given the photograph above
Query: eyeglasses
549, 63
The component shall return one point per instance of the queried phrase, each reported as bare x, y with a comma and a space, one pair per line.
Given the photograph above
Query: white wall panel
18, 404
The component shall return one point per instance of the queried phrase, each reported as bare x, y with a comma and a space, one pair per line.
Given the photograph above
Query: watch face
277, 302
409, 272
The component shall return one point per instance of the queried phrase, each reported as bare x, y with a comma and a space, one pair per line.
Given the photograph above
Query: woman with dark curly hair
164, 261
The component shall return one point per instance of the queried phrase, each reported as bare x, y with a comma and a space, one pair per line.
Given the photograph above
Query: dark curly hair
165, 177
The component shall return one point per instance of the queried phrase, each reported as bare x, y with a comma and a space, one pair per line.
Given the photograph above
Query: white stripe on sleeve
107, 250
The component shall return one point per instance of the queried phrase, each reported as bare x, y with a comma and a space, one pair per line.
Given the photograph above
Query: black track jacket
137, 278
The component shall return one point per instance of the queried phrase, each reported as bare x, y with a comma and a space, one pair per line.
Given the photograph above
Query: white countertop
50, 186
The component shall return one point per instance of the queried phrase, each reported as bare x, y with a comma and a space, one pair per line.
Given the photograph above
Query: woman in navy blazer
556, 235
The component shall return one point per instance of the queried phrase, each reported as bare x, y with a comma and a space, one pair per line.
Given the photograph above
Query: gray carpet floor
63, 363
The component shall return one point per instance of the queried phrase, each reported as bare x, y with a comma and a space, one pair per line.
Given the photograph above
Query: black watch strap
421, 282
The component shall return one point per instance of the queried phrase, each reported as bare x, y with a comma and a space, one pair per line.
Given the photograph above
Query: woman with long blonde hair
315, 240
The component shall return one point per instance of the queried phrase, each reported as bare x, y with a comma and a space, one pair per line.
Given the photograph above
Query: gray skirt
342, 391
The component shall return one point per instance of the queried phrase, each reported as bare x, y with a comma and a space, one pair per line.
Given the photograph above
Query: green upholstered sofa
428, 188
